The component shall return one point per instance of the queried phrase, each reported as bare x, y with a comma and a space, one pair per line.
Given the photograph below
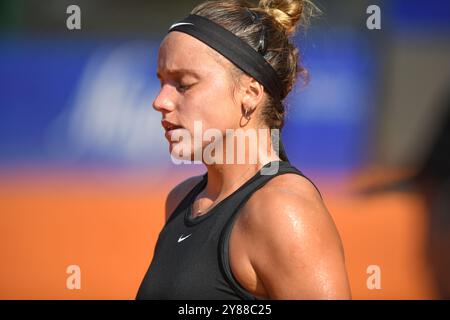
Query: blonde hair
289, 13
279, 19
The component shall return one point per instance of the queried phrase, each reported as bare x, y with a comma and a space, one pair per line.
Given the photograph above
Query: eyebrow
178, 72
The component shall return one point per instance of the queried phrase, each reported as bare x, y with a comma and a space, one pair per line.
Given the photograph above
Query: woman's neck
224, 179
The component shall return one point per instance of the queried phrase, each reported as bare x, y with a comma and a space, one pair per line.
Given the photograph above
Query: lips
168, 126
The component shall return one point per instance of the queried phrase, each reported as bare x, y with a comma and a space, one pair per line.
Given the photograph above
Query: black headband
233, 48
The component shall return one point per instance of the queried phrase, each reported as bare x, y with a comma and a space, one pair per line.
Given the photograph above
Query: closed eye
184, 87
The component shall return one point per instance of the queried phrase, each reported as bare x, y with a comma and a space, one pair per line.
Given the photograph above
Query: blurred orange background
108, 225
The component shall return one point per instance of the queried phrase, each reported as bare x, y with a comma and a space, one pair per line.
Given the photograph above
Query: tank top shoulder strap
264, 175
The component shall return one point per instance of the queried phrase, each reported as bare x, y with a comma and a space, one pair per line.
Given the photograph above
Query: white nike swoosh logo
182, 238
179, 24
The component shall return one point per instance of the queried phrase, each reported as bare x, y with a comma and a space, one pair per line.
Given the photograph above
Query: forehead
180, 51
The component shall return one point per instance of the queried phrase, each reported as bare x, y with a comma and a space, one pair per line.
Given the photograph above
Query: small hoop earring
246, 114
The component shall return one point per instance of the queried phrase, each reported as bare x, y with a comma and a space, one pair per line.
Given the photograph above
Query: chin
180, 151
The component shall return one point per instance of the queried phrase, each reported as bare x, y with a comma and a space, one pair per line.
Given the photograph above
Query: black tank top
191, 255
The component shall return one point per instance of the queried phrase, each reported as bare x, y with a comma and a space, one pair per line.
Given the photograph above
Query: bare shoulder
283, 192
293, 185
179, 192
288, 231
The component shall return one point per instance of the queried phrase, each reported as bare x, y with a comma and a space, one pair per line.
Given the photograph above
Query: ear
253, 94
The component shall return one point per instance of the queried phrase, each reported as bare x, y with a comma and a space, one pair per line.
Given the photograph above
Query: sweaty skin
284, 244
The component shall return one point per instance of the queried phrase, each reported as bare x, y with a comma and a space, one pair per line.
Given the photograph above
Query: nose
164, 101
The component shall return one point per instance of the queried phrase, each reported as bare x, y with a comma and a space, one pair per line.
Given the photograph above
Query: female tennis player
235, 232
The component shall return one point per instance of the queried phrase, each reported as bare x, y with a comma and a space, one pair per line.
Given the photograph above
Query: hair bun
288, 13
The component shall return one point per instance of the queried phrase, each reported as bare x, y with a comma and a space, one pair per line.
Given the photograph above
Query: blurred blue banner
90, 102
